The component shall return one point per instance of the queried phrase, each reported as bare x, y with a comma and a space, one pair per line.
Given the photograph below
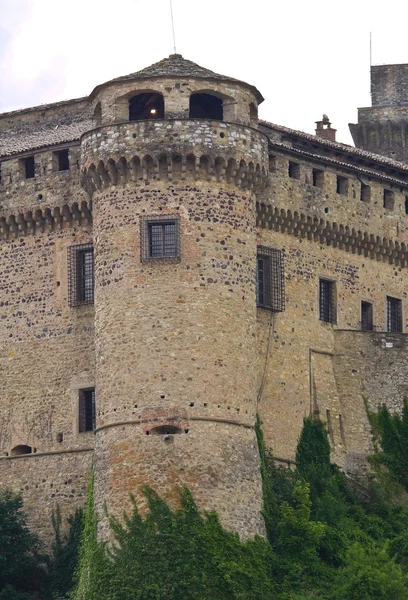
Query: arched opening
22, 449
97, 115
149, 105
206, 106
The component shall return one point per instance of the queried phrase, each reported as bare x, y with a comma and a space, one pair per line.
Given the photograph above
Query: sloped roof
177, 66
41, 137
382, 160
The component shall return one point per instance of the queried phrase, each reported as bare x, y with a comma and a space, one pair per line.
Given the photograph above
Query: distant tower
173, 167
383, 127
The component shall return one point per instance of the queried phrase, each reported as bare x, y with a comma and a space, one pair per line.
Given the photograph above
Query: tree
22, 573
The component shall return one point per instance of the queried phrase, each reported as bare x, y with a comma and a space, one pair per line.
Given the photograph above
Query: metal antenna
172, 26
371, 63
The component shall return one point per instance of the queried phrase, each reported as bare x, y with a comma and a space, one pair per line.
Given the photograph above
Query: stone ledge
50, 453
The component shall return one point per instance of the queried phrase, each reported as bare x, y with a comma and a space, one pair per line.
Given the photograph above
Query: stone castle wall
181, 344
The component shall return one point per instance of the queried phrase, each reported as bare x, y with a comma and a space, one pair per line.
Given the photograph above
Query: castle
171, 266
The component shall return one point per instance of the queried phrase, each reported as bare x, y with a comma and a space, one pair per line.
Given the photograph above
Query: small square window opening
342, 185
294, 170
62, 160
160, 238
86, 410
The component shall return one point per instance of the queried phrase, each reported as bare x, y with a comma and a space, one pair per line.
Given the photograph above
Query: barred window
327, 301
394, 315
81, 274
160, 238
270, 281
366, 316
86, 410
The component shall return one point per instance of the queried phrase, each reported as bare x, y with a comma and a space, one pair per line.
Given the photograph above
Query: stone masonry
170, 267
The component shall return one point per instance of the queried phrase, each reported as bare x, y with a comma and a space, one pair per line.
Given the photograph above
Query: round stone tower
173, 165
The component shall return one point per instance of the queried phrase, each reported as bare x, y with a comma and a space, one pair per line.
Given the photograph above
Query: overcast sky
306, 57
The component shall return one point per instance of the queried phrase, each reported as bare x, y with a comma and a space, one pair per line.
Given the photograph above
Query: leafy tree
22, 573
369, 574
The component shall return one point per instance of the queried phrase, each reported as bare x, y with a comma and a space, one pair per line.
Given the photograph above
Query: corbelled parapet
174, 150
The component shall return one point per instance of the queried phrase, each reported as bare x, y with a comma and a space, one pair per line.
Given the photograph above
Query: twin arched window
150, 105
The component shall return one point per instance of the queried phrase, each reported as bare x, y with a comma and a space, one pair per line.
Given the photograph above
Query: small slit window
160, 238
327, 301
342, 185
81, 274
389, 200
28, 167
394, 315
270, 279
86, 410
146, 106
294, 170
206, 106
406, 204
366, 316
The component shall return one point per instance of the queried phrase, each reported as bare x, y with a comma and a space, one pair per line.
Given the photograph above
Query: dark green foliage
391, 431
173, 554
65, 553
22, 575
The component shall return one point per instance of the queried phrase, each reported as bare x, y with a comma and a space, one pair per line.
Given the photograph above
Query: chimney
324, 129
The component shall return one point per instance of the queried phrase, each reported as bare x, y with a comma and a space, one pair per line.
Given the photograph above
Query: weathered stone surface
179, 353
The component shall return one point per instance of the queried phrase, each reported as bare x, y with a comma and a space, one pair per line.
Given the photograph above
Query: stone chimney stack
324, 129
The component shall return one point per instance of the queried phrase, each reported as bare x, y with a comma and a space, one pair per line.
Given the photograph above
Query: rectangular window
86, 410
61, 160
388, 200
342, 185
270, 279
394, 315
81, 274
365, 193
28, 167
318, 178
160, 238
366, 316
327, 301
294, 170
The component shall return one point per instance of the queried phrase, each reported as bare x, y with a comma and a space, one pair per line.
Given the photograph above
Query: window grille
366, 316
81, 274
327, 301
160, 238
394, 315
270, 279
86, 410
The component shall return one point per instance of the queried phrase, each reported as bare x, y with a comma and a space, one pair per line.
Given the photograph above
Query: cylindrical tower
173, 169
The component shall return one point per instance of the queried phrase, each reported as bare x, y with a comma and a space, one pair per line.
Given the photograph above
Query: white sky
307, 57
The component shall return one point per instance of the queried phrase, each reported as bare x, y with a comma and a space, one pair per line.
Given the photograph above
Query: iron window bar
327, 304
81, 280
394, 315
160, 238
86, 410
270, 279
